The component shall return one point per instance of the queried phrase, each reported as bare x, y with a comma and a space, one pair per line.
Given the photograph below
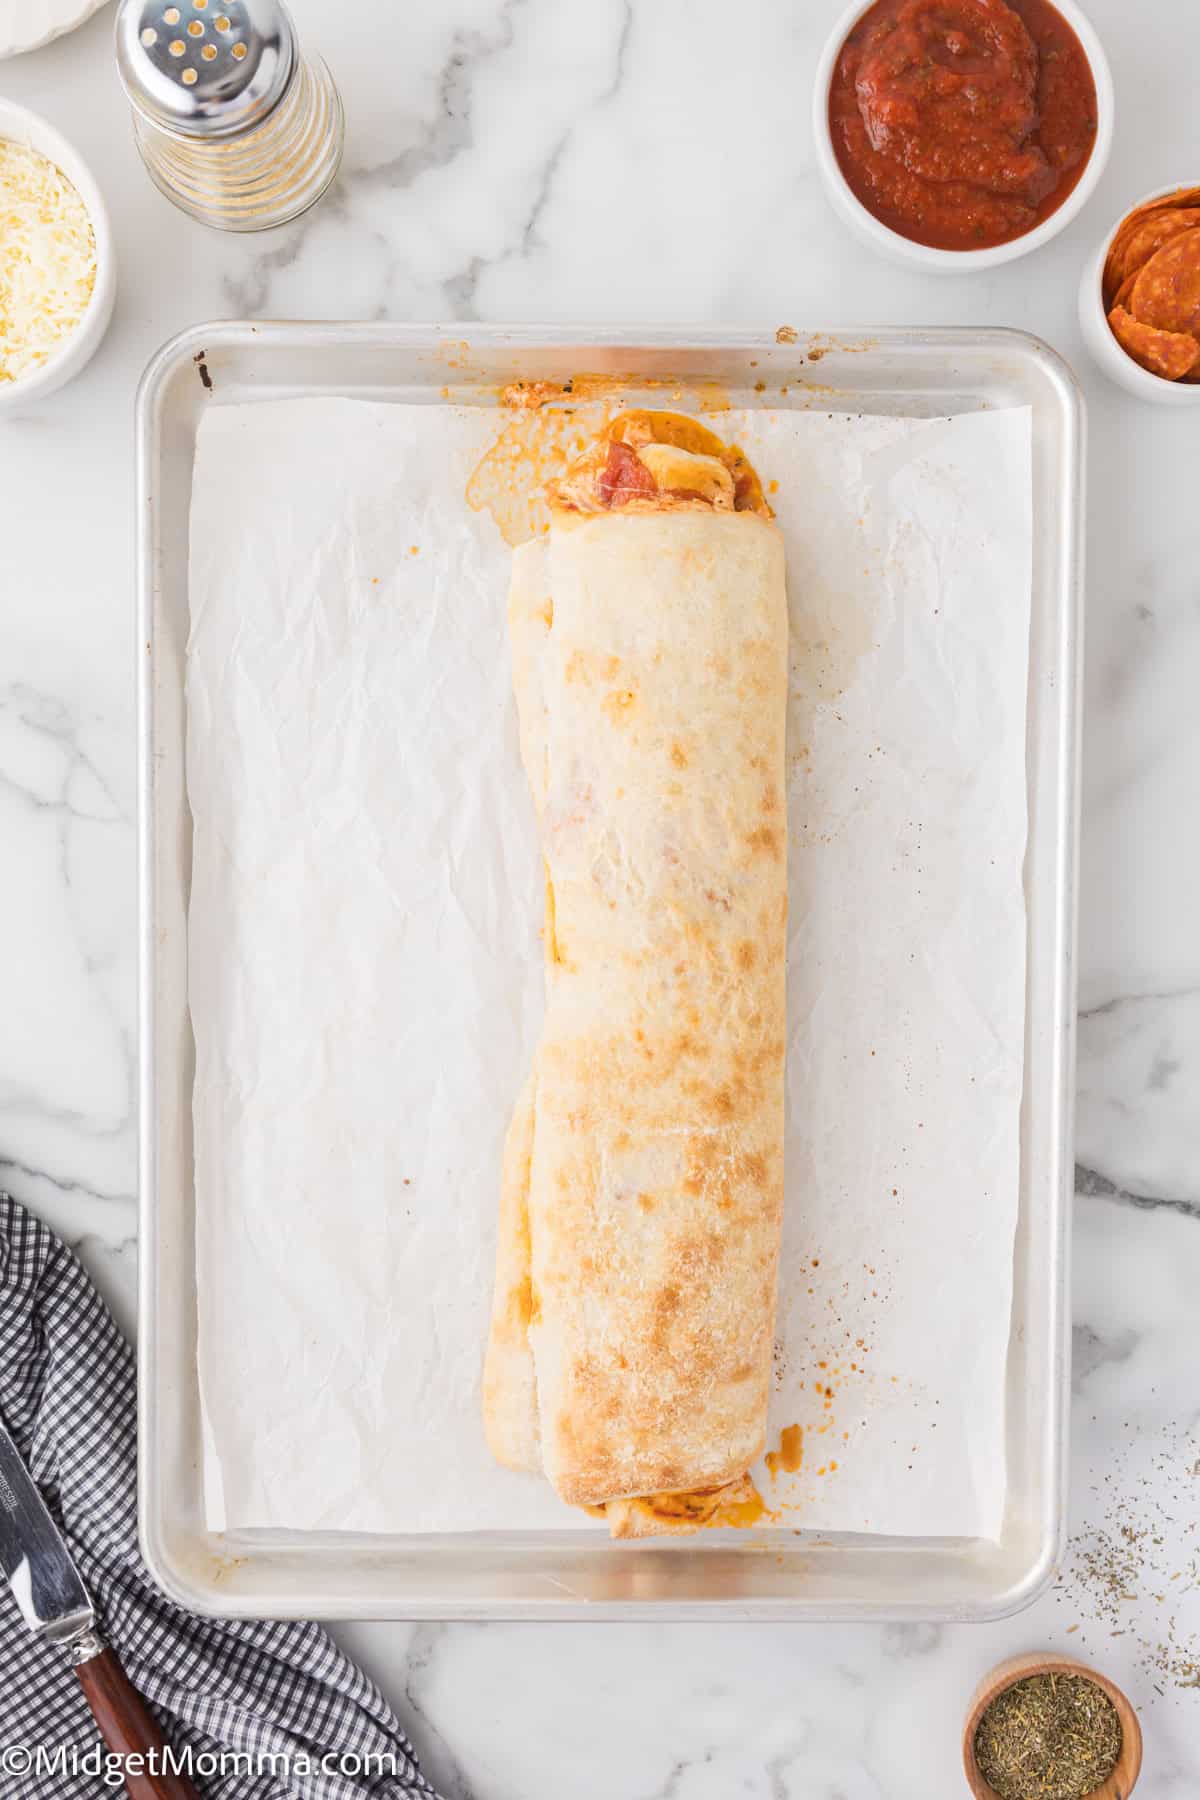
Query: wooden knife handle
129, 1728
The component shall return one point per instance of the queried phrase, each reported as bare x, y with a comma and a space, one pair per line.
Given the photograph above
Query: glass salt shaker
233, 124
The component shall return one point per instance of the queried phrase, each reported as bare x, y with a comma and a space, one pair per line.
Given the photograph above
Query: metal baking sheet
532, 1575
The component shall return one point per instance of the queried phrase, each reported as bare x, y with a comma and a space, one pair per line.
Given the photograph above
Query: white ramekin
1097, 333
21, 126
892, 244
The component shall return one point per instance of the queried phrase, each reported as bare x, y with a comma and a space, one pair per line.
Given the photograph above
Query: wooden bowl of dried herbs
1049, 1728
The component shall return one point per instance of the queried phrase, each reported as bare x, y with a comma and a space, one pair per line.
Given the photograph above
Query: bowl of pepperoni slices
1139, 299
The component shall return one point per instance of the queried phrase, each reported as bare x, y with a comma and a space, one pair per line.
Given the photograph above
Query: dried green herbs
1049, 1737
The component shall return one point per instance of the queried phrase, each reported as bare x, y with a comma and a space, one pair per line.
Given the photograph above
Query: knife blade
45, 1582
57, 1608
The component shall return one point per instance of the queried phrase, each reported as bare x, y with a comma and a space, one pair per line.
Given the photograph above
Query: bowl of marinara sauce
958, 134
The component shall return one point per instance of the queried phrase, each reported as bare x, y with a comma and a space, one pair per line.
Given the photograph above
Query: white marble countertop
650, 161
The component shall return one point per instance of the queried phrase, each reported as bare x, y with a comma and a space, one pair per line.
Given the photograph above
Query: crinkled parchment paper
366, 983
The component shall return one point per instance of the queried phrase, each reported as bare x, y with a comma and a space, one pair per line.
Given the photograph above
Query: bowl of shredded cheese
57, 271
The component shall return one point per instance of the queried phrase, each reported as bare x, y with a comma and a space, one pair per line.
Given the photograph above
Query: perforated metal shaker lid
205, 68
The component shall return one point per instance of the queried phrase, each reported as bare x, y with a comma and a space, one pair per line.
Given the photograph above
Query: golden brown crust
509, 1379
652, 695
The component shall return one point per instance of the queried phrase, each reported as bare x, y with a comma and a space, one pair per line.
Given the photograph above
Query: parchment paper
365, 967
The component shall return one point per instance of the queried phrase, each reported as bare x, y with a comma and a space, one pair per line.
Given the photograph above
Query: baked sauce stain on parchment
547, 424
790, 1455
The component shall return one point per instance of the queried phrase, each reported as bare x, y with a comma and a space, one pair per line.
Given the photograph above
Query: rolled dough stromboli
630, 1348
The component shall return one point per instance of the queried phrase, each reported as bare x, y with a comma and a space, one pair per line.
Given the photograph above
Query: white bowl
1097, 333
21, 126
892, 244
38, 22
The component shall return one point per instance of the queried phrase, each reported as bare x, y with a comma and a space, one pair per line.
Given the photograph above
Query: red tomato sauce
962, 123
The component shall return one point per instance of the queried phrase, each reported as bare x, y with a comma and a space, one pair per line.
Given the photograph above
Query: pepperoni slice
1138, 239
1153, 233
1171, 354
623, 475
1124, 292
1167, 291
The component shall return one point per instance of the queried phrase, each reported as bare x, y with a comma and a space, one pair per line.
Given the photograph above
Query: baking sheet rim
203, 1581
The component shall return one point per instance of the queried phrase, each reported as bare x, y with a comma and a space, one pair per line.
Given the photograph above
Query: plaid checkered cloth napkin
68, 1396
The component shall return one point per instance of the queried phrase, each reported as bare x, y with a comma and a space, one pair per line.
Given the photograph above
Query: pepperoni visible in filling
624, 475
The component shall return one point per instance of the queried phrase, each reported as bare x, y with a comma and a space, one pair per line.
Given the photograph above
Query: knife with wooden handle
56, 1607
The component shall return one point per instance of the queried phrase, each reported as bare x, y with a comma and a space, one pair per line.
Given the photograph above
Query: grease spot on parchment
534, 445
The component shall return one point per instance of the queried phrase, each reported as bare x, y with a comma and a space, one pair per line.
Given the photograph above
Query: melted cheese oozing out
685, 471
47, 260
